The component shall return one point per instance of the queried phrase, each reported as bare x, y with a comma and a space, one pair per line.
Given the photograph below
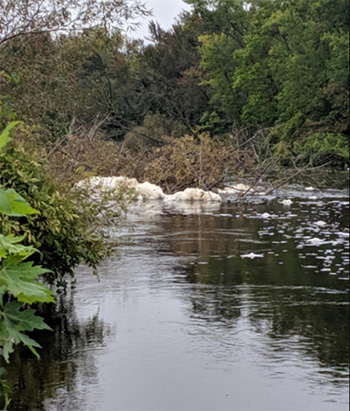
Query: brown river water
225, 308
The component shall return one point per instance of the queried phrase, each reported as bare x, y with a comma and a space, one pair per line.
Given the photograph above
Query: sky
164, 12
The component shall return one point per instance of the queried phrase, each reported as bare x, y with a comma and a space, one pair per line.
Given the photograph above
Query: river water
222, 308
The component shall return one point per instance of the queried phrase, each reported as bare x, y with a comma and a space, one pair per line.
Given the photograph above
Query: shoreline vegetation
268, 76
234, 88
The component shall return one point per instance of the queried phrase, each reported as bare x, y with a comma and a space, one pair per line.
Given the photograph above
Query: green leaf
14, 205
9, 245
25, 320
5, 207
4, 136
19, 279
13, 323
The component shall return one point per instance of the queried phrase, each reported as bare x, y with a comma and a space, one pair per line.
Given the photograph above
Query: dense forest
233, 86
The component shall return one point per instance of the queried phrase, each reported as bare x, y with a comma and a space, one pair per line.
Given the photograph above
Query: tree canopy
224, 66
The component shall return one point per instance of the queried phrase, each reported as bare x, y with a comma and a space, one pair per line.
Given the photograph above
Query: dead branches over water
178, 163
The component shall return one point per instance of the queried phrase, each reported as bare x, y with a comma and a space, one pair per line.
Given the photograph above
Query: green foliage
4, 389
225, 26
217, 51
60, 231
5, 135
337, 72
225, 66
11, 245
18, 278
320, 145
170, 70
18, 282
12, 204
15, 323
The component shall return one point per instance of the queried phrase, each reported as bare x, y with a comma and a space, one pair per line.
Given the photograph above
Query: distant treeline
228, 68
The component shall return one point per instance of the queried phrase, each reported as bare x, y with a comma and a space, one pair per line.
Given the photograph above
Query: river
240, 307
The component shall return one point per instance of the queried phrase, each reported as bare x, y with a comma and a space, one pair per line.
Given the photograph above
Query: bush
315, 148
189, 162
61, 231
323, 145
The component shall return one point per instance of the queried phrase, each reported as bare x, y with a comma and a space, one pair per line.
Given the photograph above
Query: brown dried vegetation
177, 164
189, 162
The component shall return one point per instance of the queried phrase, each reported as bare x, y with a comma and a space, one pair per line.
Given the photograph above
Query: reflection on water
180, 321
67, 366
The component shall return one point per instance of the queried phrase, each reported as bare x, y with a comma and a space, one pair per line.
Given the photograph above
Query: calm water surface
183, 319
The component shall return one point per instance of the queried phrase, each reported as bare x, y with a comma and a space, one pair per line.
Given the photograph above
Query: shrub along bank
38, 225
61, 231
18, 286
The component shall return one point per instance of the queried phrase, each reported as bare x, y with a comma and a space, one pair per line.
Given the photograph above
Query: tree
20, 18
221, 26
294, 69
174, 75
36, 36
76, 78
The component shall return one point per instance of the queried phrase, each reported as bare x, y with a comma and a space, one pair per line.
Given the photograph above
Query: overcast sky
164, 11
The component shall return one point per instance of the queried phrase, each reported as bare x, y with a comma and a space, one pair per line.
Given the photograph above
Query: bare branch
25, 17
